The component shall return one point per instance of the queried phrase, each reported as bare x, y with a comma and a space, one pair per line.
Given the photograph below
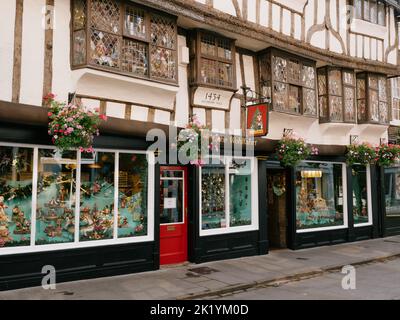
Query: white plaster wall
334, 44
264, 7
116, 110
225, 6
276, 17
218, 121
201, 114
251, 10
235, 114
296, 5
7, 23
182, 97
318, 39
309, 15
139, 113
62, 80
287, 22
249, 71
297, 27
163, 117
91, 104
239, 80
32, 64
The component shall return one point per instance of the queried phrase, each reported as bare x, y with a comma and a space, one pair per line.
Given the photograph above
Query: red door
173, 215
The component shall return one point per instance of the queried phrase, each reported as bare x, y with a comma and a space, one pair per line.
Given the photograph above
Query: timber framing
224, 22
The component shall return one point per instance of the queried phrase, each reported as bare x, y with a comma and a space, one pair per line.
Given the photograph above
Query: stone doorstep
228, 290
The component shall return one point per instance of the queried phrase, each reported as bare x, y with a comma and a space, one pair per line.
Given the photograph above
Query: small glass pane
224, 49
374, 105
171, 201
349, 102
280, 96
208, 71
360, 194
361, 93
56, 197
358, 8
319, 195
163, 63
240, 192
135, 57
79, 14
362, 110
163, 31
79, 47
309, 102
381, 14
213, 198
132, 195
207, 45
105, 15
135, 23
16, 170
294, 71
336, 108
374, 11
294, 99
323, 107
104, 49
392, 192
366, 10
97, 197
396, 109
279, 68
373, 82
225, 74
382, 89
172, 174
322, 87
335, 82
348, 78
383, 112
308, 74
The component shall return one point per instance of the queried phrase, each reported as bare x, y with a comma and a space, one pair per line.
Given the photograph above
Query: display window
80, 200
16, 173
392, 191
320, 196
361, 185
228, 196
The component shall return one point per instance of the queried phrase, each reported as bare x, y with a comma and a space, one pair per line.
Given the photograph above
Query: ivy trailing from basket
291, 150
362, 153
71, 126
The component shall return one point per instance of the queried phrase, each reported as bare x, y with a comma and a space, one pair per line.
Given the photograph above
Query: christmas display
319, 195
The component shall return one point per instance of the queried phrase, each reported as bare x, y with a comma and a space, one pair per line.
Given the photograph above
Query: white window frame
254, 200
183, 179
369, 201
345, 206
76, 244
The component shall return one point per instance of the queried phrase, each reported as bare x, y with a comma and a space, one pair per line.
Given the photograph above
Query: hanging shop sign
257, 119
212, 98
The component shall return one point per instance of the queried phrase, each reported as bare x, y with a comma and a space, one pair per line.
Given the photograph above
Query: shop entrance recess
173, 215
277, 208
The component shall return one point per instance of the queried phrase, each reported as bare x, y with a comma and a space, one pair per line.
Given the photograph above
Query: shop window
320, 198
361, 195
122, 37
395, 82
56, 197
336, 95
289, 81
228, 196
392, 191
212, 60
16, 172
372, 98
97, 197
73, 189
370, 10
132, 195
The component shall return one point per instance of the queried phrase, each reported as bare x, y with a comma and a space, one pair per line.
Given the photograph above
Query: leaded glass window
125, 38
395, 85
336, 95
212, 60
370, 10
290, 80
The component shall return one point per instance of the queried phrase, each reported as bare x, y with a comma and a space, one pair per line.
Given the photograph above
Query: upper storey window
370, 10
212, 60
372, 98
125, 38
395, 82
290, 81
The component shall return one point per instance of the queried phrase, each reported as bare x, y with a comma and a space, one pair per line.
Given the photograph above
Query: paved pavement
221, 278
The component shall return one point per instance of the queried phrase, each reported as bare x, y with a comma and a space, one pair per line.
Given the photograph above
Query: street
373, 281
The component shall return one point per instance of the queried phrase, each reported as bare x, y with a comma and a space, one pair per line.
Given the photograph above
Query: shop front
320, 203
390, 200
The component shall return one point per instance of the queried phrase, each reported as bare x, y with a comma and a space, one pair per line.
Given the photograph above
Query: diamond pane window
207, 45
374, 105
280, 96
395, 94
224, 49
335, 82
336, 108
370, 10
129, 38
294, 71
308, 74
349, 104
310, 105
294, 99
105, 15
280, 69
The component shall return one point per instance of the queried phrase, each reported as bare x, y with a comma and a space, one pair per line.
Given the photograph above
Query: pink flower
49, 114
103, 117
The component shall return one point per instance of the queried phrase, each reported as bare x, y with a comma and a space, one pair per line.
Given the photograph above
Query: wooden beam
151, 115
128, 111
48, 50
16, 82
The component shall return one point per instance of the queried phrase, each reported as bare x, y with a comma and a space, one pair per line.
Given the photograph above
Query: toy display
319, 196
360, 194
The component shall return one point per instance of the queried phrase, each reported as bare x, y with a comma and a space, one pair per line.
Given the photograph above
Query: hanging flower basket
72, 126
387, 154
193, 141
291, 150
362, 153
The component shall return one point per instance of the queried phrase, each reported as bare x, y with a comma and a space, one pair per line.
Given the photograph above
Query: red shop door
173, 215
